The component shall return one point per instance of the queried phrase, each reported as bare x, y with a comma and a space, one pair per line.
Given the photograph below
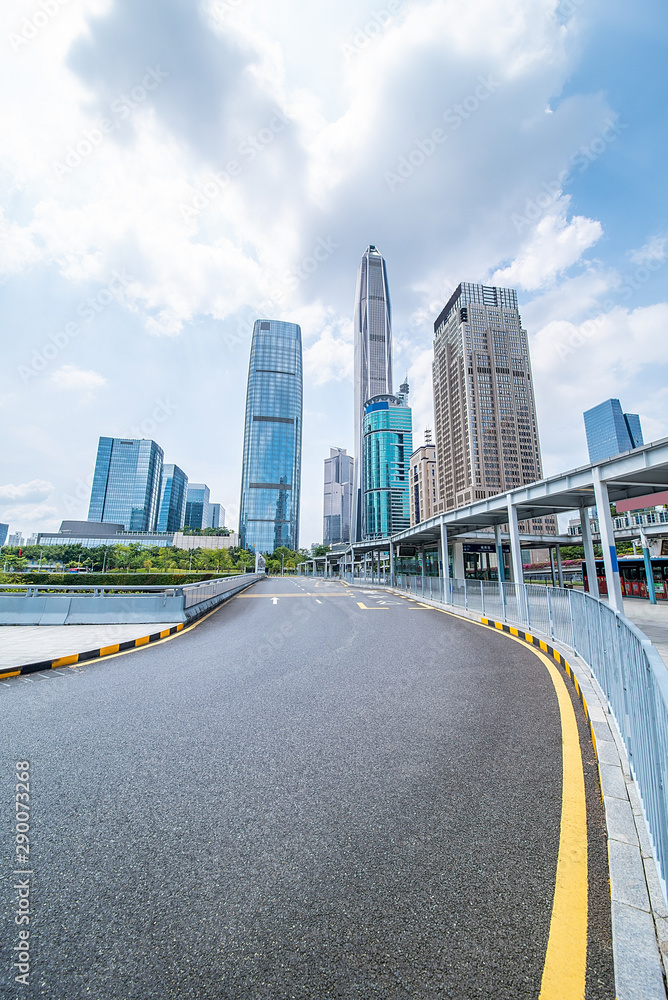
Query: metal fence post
482, 597
502, 594
549, 611
466, 596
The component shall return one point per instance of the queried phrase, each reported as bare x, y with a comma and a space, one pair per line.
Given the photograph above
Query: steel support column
590, 560
560, 569
608, 542
501, 572
445, 560
515, 547
649, 573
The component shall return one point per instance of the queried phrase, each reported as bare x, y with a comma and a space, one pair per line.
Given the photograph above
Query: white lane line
317, 601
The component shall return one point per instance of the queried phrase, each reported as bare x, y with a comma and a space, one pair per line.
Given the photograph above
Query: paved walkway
652, 619
21, 644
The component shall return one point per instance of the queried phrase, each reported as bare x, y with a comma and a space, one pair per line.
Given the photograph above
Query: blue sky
171, 167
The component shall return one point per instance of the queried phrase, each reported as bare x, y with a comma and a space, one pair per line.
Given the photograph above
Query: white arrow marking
275, 600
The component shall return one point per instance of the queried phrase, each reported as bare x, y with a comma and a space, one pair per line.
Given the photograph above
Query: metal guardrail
624, 662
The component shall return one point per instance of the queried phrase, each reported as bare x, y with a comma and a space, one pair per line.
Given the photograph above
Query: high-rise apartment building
197, 506
4, 531
216, 516
126, 483
272, 456
172, 504
338, 496
610, 431
373, 360
422, 478
388, 445
484, 407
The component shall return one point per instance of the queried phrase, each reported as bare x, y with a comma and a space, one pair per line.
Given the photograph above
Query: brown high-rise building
423, 481
484, 407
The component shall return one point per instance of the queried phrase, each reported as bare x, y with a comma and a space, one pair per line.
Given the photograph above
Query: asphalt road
298, 798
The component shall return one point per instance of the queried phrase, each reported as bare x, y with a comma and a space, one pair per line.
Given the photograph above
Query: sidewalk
23, 644
652, 619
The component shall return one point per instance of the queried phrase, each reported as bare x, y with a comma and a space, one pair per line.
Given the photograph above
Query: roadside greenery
168, 565
132, 558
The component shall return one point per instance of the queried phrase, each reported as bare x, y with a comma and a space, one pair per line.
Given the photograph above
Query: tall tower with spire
373, 360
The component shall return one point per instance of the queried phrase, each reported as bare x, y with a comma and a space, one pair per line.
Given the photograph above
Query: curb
90, 654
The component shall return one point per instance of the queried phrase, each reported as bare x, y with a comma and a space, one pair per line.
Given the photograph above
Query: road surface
317, 792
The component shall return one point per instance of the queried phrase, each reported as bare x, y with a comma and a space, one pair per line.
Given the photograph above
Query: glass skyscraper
126, 483
216, 515
373, 361
610, 431
338, 496
272, 456
388, 446
197, 506
172, 506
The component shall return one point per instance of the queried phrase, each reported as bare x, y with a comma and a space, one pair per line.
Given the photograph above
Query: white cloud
553, 247
653, 250
39, 515
330, 358
128, 205
70, 378
32, 492
619, 353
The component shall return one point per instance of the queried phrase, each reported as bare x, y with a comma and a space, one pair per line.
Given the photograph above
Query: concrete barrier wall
174, 604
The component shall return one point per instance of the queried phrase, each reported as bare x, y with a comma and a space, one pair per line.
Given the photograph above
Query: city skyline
138, 255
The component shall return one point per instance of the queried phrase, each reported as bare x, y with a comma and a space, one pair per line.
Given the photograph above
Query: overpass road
316, 792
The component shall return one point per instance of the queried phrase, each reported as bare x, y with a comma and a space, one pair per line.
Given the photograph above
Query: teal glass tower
126, 483
272, 456
388, 446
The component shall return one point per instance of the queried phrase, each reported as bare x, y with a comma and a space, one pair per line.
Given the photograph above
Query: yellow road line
364, 607
565, 968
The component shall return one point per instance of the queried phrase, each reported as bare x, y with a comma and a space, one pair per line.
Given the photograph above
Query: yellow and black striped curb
545, 647
91, 654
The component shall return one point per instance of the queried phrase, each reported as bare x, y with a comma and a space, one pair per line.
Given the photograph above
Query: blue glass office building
388, 446
610, 431
197, 506
272, 456
126, 483
172, 506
